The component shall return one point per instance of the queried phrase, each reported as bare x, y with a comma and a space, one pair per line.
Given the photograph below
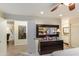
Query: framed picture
66, 30
21, 32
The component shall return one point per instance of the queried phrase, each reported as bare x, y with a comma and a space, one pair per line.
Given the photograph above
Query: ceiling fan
71, 6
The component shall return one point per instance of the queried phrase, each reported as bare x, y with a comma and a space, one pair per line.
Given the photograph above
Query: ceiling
33, 9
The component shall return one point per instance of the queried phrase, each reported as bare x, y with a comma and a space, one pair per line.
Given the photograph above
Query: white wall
65, 22
16, 40
31, 37
74, 31
53, 21
3, 45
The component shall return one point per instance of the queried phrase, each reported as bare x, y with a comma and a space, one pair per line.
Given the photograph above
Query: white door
75, 35
3, 45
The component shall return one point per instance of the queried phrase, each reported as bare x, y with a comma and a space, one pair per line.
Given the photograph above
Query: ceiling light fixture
41, 12
60, 15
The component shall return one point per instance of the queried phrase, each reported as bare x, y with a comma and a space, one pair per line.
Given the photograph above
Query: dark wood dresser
46, 47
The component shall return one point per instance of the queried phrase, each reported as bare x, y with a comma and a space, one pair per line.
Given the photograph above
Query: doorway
15, 46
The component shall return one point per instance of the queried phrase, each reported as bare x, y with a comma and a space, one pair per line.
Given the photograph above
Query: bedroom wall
31, 38
74, 31
54, 21
65, 22
3, 31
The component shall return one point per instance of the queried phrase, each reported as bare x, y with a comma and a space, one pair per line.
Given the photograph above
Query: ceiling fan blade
71, 6
55, 7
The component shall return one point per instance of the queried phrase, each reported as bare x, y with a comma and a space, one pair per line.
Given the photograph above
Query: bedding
67, 52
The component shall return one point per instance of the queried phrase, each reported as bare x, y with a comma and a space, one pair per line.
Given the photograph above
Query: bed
67, 52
